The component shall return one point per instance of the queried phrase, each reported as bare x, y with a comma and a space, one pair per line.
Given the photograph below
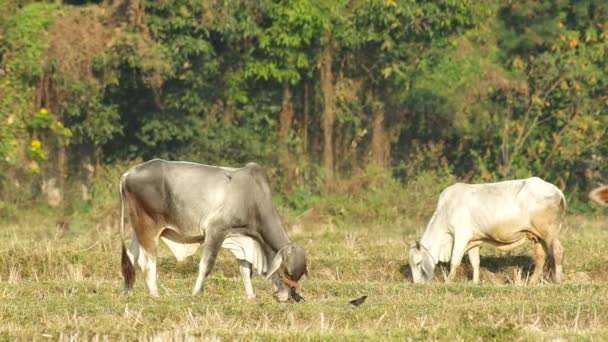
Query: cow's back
529, 194
506, 203
249, 187
177, 194
544, 194
144, 184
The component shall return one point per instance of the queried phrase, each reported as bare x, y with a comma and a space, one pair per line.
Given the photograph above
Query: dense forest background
332, 97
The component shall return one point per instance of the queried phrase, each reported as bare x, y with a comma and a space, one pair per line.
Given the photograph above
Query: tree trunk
61, 167
380, 146
228, 115
305, 109
327, 119
285, 126
62, 171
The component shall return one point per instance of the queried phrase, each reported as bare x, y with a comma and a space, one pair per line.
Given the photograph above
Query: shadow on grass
494, 264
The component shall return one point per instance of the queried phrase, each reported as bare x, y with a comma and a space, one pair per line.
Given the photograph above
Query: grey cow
187, 205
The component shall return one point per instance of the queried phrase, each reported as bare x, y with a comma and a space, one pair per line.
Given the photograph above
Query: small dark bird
296, 296
358, 301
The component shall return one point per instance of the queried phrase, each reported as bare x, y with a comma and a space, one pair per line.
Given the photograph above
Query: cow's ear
275, 264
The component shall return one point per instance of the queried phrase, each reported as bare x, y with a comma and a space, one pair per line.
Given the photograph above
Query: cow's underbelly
506, 238
246, 248
243, 247
180, 250
506, 246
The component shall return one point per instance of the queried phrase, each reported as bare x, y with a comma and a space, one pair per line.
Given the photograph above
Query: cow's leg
555, 248
474, 259
145, 260
539, 261
144, 245
245, 268
133, 252
211, 248
460, 243
150, 274
147, 263
549, 226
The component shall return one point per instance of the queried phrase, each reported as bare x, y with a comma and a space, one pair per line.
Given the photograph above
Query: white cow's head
421, 262
286, 269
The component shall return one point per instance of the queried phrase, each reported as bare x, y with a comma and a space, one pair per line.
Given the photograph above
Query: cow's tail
561, 210
128, 271
562, 203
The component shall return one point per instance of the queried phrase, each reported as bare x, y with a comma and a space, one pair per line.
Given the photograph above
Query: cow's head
286, 269
421, 262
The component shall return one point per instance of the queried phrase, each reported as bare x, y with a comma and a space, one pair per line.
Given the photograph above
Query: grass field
64, 283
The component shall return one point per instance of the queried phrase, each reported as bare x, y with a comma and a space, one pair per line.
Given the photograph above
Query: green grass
65, 283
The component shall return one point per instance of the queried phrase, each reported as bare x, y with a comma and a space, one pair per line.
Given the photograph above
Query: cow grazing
504, 214
187, 205
600, 195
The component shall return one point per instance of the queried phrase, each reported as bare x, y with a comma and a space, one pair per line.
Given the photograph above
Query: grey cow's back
180, 193
188, 197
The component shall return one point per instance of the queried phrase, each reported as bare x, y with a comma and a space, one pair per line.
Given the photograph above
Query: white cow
504, 214
600, 195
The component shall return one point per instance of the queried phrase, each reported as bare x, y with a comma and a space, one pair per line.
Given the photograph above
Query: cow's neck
277, 239
433, 247
274, 232
432, 239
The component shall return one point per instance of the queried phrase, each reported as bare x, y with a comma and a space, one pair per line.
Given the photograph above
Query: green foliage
285, 49
375, 197
298, 202
42, 119
557, 123
22, 48
234, 145
24, 43
487, 90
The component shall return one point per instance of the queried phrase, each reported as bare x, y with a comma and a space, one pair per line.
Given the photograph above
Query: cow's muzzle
289, 282
288, 291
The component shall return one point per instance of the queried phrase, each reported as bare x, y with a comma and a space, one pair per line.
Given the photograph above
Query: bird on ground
358, 301
296, 296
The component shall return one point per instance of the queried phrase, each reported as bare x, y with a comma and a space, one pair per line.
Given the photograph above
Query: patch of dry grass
69, 288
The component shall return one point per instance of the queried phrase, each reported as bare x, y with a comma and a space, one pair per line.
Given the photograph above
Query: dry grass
69, 289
